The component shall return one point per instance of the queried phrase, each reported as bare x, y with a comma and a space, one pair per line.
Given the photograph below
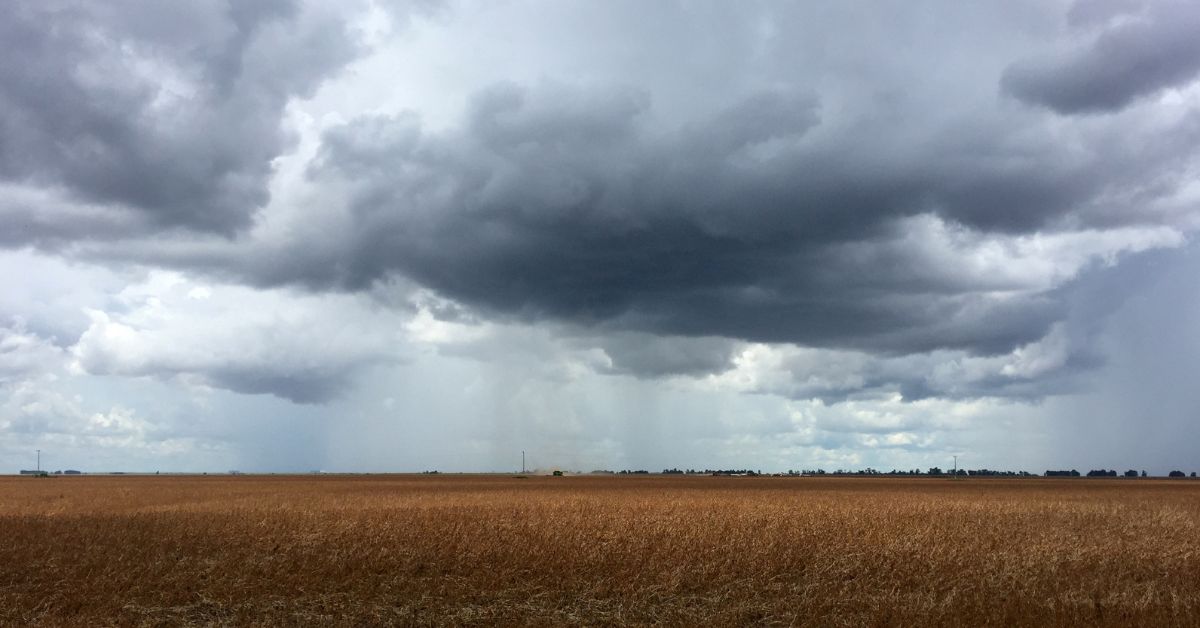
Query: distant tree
935, 471
1176, 474
1143, 473
1102, 473
1072, 474
1131, 474
1193, 474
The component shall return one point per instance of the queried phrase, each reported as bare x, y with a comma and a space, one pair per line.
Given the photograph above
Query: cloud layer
854, 212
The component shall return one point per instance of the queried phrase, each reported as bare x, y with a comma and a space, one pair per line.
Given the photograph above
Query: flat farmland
597, 550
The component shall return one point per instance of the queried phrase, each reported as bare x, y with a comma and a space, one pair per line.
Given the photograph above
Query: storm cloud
803, 211
756, 224
155, 116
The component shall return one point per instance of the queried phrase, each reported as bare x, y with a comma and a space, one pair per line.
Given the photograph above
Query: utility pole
522, 461
39, 460
955, 466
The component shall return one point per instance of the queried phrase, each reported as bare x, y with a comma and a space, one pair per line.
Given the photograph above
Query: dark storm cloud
155, 114
1140, 50
563, 203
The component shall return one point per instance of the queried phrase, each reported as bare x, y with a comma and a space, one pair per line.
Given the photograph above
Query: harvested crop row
272, 550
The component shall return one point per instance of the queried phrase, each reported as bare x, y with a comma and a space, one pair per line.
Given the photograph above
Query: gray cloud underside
1140, 50
646, 355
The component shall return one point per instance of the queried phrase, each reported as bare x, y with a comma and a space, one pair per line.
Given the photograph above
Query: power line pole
522, 461
956, 466
39, 460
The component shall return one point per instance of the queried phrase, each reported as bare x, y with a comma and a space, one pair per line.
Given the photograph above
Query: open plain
486, 550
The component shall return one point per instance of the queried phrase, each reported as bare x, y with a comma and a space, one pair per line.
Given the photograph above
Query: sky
283, 235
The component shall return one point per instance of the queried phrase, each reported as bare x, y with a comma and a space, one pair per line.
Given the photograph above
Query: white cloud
302, 347
42, 415
26, 356
927, 247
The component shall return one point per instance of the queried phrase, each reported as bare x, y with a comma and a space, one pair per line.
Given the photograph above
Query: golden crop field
488, 550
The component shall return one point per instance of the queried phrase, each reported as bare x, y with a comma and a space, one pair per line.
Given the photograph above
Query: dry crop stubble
354, 550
